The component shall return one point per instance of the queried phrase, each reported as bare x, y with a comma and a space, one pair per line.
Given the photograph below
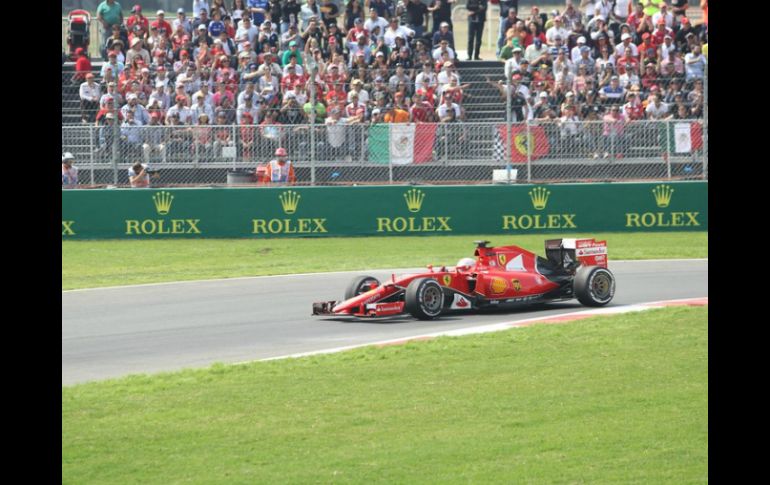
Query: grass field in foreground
620, 399
88, 264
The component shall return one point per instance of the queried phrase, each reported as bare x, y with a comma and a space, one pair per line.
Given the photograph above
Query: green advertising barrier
383, 210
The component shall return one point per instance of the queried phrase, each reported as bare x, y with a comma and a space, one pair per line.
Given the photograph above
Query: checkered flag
499, 150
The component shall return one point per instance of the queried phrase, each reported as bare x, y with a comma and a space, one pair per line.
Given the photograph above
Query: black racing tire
594, 285
424, 299
360, 284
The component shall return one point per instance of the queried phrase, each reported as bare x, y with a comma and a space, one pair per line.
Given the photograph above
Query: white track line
496, 327
397, 270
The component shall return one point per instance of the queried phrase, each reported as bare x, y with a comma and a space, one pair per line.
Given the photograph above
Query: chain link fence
382, 153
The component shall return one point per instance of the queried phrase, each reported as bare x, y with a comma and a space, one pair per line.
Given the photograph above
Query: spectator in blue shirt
216, 26
258, 9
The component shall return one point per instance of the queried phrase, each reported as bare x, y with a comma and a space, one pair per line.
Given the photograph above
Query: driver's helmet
466, 263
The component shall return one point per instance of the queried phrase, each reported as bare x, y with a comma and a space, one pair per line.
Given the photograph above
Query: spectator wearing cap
557, 30
562, 61
163, 27
180, 110
159, 94
181, 21
442, 13
294, 51
141, 116
648, 49
90, 93
613, 93
442, 33
82, 65
201, 107
660, 32
634, 109
680, 38
575, 52
136, 18
202, 35
536, 51
626, 42
137, 51
109, 13
69, 172
292, 73
656, 109
358, 31
131, 135
667, 45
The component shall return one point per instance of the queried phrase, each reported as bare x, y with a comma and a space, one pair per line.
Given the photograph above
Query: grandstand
559, 129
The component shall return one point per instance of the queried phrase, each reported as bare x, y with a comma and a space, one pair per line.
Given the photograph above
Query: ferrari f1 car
505, 276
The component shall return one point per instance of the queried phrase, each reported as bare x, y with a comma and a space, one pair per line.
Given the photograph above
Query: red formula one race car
505, 276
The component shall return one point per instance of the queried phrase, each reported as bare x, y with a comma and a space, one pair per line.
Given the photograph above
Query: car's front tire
594, 285
360, 284
424, 298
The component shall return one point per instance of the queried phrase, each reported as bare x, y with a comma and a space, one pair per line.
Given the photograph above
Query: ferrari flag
401, 143
537, 143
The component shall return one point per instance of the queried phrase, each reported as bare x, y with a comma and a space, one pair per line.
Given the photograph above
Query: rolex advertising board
383, 210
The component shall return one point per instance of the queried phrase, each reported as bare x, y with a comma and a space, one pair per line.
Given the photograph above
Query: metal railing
433, 153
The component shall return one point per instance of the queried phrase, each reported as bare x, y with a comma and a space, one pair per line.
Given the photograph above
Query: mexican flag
537, 144
401, 143
685, 137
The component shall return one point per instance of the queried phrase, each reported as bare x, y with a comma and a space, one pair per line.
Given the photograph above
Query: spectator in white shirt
245, 33
443, 47
90, 92
375, 20
556, 31
656, 110
394, 30
625, 41
200, 107
664, 14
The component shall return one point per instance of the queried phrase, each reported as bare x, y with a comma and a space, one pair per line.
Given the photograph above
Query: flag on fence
401, 143
685, 137
537, 143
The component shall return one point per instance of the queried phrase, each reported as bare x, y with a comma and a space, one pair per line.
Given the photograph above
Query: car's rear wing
569, 253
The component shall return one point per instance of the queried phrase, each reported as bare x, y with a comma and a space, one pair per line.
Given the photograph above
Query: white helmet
67, 156
466, 263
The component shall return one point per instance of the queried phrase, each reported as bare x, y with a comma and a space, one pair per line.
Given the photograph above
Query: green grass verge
620, 399
88, 264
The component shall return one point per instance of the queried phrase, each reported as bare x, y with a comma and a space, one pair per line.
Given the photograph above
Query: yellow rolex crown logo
414, 199
163, 202
289, 201
539, 196
663, 195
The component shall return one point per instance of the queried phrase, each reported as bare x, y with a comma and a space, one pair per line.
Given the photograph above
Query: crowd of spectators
645, 57
263, 62
255, 62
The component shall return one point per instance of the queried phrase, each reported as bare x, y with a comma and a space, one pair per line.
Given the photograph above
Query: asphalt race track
112, 332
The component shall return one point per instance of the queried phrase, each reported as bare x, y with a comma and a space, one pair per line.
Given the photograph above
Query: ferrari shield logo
502, 259
447, 280
516, 285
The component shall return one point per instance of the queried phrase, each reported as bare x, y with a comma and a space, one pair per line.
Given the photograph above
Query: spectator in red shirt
82, 66
248, 131
137, 18
660, 32
164, 28
648, 49
633, 109
421, 110
627, 58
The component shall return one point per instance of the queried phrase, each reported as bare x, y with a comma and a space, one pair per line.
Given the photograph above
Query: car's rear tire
360, 284
424, 298
594, 285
